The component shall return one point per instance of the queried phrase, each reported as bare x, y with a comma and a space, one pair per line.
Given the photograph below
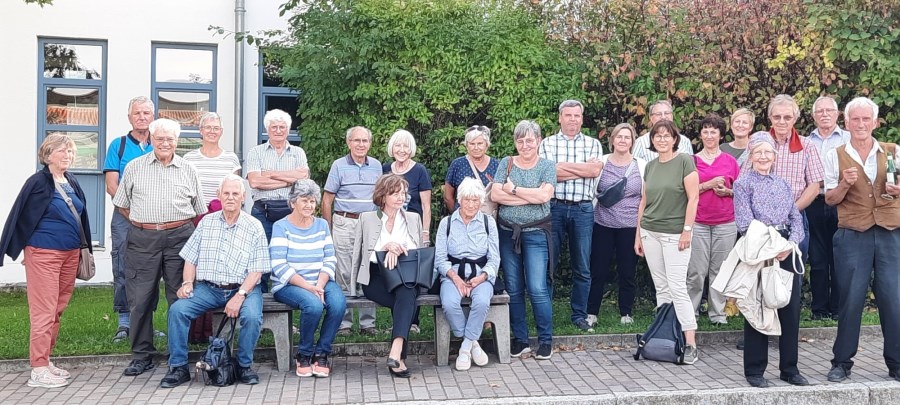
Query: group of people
651, 196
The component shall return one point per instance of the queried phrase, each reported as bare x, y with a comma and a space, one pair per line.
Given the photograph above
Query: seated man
223, 262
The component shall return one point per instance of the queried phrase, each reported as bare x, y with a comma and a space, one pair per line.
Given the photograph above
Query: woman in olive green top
665, 219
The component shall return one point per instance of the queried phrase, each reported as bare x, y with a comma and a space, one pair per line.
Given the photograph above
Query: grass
88, 324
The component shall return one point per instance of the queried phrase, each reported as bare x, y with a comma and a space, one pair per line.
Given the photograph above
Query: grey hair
141, 100
783, 99
165, 125
664, 102
402, 136
209, 115
469, 188
860, 102
571, 103
276, 115
232, 177
306, 188
812, 109
525, 128
352, 130
478, 130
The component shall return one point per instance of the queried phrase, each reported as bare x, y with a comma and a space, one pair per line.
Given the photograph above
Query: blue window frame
183, 86
273, 93
72, 100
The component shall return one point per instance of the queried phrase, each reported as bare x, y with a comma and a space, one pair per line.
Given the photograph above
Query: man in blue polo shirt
349, 187
121, 151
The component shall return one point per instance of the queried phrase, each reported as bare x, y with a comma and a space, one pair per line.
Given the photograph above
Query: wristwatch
688, 228
515, 186
242, 292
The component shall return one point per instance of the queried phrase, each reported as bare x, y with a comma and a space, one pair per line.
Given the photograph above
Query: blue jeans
527, 271
119, 227
206, 298
260, 215
462, 325
311, 309
576, 220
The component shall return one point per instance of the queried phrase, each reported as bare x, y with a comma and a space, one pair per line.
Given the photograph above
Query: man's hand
185, 291
850, 176
233, 307
892, 189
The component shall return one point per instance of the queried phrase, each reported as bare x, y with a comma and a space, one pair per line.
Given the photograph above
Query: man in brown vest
867, 239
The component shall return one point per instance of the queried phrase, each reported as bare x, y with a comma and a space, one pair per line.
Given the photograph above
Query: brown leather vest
863, 206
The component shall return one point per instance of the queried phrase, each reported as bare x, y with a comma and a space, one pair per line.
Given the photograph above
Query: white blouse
399, 235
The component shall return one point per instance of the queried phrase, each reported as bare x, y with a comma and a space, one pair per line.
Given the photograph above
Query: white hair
861, 102
784, 99
354, 129
209, 115
829, 98
306, 188
276, 115
478, 130
165, 125
231, 177
141, 100
469, 188
402, 136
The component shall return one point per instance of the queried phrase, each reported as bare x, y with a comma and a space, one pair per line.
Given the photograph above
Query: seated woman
395, 231
467, 256
303, 263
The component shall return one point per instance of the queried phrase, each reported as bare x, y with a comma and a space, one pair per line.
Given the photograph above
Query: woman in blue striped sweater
303, 263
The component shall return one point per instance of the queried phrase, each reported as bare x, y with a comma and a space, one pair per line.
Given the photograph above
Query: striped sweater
301, 251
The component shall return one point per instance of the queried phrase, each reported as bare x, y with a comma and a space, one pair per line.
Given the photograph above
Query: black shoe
517, 348
757, 381
794, 379
895, 375
399, 373
838, 374
820, 316
583, 325
138, 367
544, 352
739, 345
121, 334
175, 377
247, 376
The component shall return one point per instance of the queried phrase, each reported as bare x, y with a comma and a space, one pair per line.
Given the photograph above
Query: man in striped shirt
224, 260
578, 165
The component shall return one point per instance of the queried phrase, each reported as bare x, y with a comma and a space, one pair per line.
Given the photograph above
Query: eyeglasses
786, 118
665, 137
211, 128
163, 140
761, 153
278, 127
528, 140
823, 111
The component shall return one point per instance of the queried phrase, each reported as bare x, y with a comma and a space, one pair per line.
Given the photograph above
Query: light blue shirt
837, 138
467, 242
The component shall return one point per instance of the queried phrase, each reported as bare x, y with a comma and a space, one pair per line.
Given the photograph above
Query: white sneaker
626, 320
463, 361
479, 356
58, 371
591, 320
46, 379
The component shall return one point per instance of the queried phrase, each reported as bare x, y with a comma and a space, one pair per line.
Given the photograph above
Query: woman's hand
684, 241
638, 246
784, 255
476, 281
713, 183
394, 251
461, 285
723, 191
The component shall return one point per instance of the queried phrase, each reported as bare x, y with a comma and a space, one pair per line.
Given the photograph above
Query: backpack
664, 339
217, 365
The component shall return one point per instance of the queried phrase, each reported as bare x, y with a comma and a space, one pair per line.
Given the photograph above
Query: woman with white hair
402, 148
467, 256
212, 162
476, 163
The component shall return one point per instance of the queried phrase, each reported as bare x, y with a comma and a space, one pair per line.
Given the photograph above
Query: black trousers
823, 223
607, 243
756, 344
151, 255
402, 302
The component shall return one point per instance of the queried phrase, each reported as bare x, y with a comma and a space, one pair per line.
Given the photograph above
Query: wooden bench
278, 318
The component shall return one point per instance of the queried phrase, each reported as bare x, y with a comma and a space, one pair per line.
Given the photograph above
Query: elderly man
660, 110
349, 188
121, 151
272, 170
867, 239
578, 165
223, 263
160, 195
823, 218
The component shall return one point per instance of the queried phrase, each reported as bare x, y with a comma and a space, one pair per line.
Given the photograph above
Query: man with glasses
348, 193
660, 110
867, 239
823, 218
578, 165
121, 151
160, 195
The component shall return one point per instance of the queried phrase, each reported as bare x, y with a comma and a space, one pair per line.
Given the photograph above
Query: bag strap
226, 320
630, 168
475, 171
68, 200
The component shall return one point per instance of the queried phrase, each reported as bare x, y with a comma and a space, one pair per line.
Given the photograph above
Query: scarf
793, 140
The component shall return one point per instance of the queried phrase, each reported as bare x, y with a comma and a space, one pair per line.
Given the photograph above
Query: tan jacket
368, 229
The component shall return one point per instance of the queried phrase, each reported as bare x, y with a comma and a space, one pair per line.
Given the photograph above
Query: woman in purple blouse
765, 197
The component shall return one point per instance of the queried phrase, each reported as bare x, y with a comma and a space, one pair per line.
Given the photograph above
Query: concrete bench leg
499, 317
280, 325
441, 337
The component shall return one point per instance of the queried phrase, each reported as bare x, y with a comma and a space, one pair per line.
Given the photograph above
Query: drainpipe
239, 14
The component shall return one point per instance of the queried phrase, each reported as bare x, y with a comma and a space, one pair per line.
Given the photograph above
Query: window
273, 93
72, 101
183, 85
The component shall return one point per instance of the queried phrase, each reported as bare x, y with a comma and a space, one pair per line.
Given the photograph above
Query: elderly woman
212, 163
525, 185
42, 223
393, 230
476, 163
741, 125
761, 195
714, 233
303, 264
467, 256
615, 224
666, 217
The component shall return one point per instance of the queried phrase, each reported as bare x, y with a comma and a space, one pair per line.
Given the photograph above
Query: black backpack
217, 365
664, 339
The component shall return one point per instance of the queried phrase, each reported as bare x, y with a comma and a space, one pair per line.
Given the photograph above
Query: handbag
616, 192
414, 269
86, 266
778, 284
217, 364
487, 206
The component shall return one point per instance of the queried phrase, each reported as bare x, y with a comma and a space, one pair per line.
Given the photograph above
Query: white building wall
129, 27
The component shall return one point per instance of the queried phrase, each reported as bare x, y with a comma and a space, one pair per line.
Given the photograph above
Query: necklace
710, 156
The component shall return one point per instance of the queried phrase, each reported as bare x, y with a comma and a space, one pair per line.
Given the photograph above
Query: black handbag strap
68, 200
225, 320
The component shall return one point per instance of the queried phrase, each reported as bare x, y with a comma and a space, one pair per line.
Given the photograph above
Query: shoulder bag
616, 192
86, 266
777, 284
487, 206
414, 269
